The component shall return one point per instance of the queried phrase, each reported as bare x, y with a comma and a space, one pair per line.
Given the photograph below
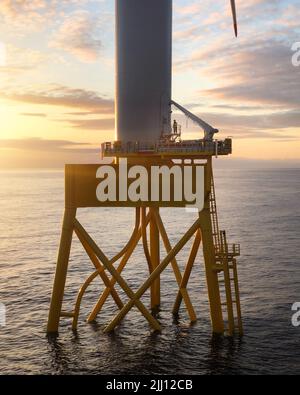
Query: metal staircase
226, 266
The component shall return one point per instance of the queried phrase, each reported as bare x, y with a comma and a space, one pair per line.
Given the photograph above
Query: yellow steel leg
144, 225
61, 270
132, 238
79, 299
155, 258
96, 310
187, 272
211, 274
183, 292
153, 276
100, 269
153, 322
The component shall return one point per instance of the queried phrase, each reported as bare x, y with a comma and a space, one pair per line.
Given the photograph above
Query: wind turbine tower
145, 135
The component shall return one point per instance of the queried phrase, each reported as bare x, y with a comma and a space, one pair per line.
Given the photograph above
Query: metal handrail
221, 146
233, 249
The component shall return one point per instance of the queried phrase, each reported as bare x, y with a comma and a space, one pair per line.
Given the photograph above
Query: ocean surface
259, 209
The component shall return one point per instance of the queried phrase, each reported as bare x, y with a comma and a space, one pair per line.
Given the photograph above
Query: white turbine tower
144, 69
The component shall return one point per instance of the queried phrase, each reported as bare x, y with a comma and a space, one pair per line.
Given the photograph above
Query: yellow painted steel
155, 257
79, 298
182, 290
82, 186
96, 310
132, 238
147, 253
228, 290
80, 192
237, 295
212, 280
162, 266
99, 268
123, 284
228, 266
187, 272
61, 270
99, 272
211, 275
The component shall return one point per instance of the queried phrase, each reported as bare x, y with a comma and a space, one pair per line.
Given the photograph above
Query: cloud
276, 125
246, 87
93, 124
250, 87
62, 96
19, 60
41, 145
188, 34
257, 67
34, 15
87, 105
33, 114
273, 80
43, 153
79, 36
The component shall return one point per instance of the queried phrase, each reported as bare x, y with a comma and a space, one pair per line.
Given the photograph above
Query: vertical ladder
226, 264
214, 216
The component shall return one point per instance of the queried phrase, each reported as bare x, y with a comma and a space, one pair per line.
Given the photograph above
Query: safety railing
215, 147
231, 249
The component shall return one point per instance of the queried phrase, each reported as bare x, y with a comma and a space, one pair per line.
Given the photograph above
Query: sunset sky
57, 77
